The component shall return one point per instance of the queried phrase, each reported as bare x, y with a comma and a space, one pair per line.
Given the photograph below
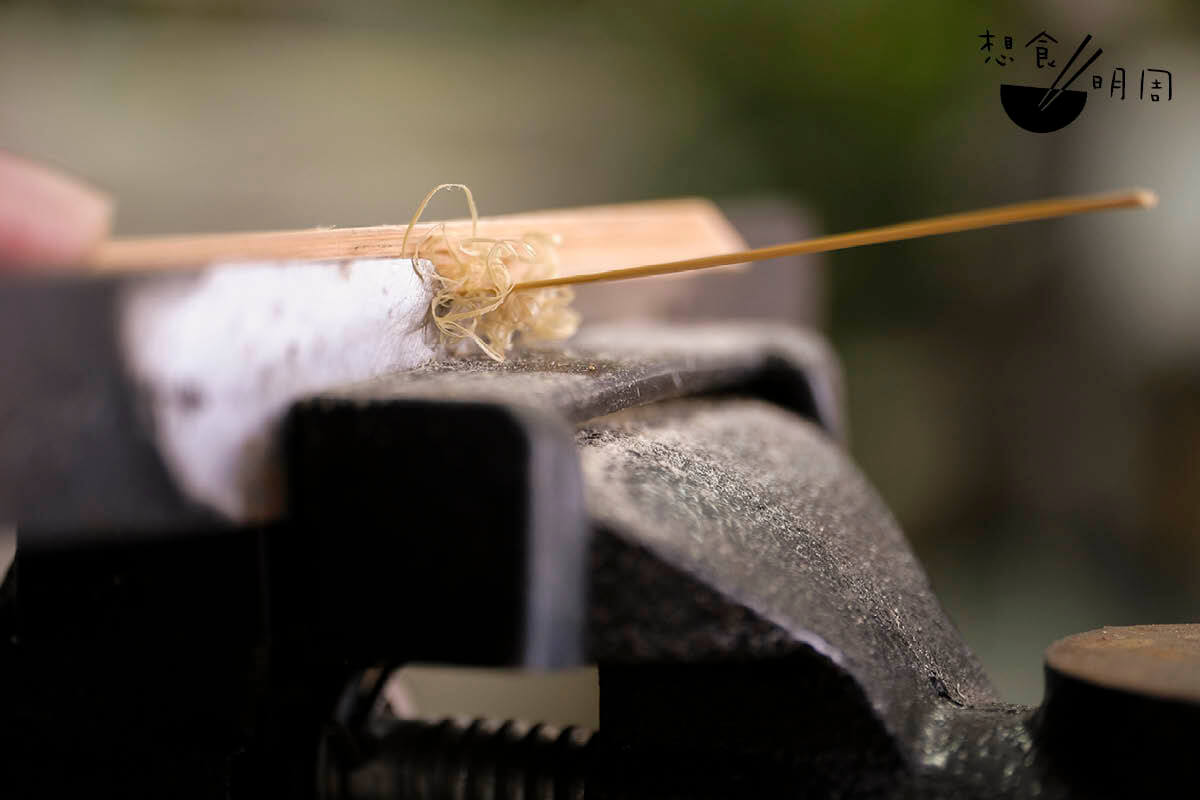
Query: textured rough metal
610, 367
761, 626
79, 453
763, 507
750, 597
746, 550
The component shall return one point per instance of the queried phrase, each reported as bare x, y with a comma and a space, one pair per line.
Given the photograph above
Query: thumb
46, 217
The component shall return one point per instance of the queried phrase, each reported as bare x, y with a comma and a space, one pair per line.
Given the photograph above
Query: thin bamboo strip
933, 226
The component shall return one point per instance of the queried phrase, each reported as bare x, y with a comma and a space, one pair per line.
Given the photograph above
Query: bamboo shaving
473, 278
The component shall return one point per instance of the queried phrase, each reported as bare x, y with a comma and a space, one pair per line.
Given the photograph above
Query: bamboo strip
933, 226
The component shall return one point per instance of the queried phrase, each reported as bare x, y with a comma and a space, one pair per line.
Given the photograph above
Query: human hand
47, 218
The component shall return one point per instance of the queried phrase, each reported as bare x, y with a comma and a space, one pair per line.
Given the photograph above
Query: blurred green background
1026, 399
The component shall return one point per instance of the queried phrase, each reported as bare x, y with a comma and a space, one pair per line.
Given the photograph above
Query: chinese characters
1002, 58
1043, 41
1154, 84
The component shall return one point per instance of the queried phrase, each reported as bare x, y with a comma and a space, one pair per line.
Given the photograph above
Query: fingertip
46, 217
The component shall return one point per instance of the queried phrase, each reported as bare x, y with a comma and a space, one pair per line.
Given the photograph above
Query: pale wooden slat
594, 238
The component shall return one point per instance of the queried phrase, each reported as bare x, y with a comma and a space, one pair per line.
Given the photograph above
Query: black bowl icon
1021, 103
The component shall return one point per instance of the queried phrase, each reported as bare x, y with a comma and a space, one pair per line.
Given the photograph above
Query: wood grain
594, 238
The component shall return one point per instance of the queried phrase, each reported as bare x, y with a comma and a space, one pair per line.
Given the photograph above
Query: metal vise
673, 504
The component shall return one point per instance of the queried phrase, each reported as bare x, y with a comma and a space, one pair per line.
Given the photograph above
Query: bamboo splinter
932, 226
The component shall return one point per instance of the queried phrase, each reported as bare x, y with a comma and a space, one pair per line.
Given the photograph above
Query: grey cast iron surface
606, 368
770, 511
766, 509
751, 533
78, 455
772, 567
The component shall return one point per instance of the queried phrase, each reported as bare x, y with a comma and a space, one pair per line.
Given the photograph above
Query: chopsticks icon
1052, 93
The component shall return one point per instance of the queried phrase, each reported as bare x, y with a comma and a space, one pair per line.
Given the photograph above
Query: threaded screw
474, 759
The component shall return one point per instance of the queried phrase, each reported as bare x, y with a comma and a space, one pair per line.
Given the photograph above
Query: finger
46, 217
